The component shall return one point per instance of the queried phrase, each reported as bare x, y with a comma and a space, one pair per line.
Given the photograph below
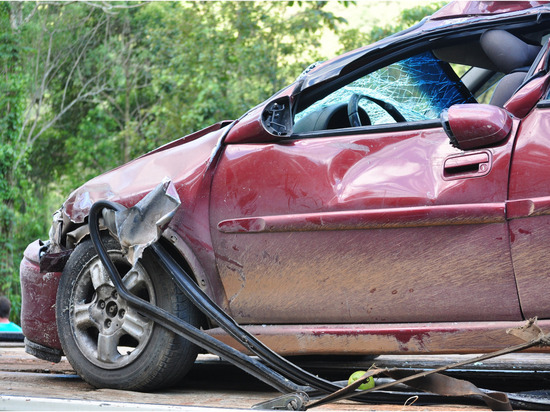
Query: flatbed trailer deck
28, 383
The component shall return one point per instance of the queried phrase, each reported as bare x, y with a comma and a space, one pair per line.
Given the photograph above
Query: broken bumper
38, 295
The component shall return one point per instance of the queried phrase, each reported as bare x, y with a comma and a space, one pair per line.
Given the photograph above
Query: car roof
460, 9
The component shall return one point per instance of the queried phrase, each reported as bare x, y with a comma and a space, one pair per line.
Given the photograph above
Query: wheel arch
183, 254
172, 242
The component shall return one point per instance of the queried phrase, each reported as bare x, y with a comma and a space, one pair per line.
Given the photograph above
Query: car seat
511, 56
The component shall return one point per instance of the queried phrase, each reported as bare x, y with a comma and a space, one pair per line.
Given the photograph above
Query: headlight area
55, 252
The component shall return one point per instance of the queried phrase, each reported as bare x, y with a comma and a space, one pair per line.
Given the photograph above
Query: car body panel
372, 214
527, 97
400, 338
187, 165
481, 8
38, 306
530, 213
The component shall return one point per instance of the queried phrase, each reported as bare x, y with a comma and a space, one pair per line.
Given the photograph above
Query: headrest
507, 51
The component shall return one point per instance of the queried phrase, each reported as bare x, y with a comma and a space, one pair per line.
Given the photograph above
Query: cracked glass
419, 88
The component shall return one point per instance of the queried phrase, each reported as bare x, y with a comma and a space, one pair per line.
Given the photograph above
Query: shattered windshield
419, 87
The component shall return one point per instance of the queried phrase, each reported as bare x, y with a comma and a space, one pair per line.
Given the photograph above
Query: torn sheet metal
141, 225
291, 401
530, 332
53, 255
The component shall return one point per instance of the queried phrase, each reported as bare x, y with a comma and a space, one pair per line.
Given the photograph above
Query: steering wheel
353, 109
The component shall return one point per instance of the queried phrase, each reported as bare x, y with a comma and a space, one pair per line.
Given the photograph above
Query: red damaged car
393, 199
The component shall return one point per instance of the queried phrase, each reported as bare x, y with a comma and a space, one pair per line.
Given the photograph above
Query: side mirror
264, 123
473, 126
277, 117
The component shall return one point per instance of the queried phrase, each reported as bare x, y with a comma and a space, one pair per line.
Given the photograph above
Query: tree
11, 82
355, 38
48, 76
225, 57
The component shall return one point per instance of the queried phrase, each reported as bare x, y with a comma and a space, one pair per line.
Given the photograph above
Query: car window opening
418, 87
487, 70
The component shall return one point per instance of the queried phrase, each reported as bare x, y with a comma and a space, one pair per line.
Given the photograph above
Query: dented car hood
183, 161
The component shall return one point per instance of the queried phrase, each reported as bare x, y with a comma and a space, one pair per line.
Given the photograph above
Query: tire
106, 341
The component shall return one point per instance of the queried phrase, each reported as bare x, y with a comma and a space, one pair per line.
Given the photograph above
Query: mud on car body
393, 199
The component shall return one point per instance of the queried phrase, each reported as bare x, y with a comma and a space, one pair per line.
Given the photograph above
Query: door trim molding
422, 216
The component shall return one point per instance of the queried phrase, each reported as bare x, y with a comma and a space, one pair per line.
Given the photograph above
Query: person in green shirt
5, 324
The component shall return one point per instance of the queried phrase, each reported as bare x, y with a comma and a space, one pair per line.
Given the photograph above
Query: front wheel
110, 344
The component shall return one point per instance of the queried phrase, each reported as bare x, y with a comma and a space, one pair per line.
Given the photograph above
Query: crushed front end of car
185, 161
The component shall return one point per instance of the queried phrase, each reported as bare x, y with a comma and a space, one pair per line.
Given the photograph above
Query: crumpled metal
53, 255
142, 224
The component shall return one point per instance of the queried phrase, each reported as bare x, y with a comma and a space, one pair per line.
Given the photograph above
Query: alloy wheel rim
110, 333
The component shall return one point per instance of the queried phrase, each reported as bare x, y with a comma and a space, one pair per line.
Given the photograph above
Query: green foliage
225, 57
355, 38
14, 189
9, 121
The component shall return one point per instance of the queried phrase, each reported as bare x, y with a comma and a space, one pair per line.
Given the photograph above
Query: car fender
189, 164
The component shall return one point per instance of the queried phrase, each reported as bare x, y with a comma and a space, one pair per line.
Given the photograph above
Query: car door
386, 222
528, 207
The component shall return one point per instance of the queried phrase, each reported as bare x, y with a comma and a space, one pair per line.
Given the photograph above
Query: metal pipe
214, 312
176, 325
